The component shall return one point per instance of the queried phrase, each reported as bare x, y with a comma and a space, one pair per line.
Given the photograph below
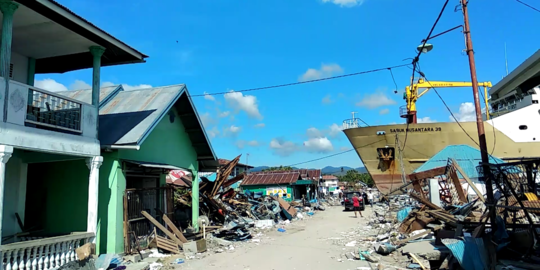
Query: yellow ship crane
411, 95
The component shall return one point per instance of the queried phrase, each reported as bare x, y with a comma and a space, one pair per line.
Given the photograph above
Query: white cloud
426, 119
318, 145
232, 131
334, 131
314, 133
214, 132
345, 3
259, 125
50, 85
241, 143
384, 111
79, 85
207, 119
247, 103
128, 87
54, 86
209, 97
467, 113
283, 148
326, 70
327, 99
224, 114
375, 100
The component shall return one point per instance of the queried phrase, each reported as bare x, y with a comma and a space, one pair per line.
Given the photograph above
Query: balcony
40, 120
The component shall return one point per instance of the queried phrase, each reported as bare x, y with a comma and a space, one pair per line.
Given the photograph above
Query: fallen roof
526, 76
466, 156
116, 51
223, 161
271, 178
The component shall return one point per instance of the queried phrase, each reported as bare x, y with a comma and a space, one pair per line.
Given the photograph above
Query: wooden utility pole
479, 120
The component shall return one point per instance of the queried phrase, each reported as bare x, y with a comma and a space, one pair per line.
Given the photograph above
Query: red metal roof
271, 178
329, 177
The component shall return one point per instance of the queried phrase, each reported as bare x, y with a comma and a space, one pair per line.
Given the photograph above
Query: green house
144, 134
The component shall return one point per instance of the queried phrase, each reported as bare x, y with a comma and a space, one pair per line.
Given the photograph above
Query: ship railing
351, 123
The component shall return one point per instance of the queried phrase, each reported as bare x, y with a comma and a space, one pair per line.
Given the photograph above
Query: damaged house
49, 147
289, 185
145, 134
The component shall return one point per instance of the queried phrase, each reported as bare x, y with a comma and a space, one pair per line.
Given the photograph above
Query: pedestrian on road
370, 198
356, 205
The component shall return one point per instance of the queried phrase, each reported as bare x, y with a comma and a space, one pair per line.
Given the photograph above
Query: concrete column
31, 71
5, 153
96, 52
195, 200
434, 195
8, 8
93, 164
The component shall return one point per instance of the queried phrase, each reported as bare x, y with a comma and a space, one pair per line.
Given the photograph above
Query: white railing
44, 253
351, 123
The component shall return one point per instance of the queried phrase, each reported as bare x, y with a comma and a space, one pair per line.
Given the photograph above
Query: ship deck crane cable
417, 58
305, 82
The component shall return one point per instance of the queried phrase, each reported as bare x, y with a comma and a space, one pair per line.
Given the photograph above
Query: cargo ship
391, 152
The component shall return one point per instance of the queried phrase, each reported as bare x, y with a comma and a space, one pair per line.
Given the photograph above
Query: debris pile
441, 226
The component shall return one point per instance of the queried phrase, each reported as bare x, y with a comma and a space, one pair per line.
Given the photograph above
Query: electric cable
303, 82
336, 154
527, 5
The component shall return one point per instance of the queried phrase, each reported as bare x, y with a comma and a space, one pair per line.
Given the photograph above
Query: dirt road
306, 244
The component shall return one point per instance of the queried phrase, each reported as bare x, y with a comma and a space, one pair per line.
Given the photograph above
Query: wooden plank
457, 185
175, 230
427, 174
424, 201
162, 228
167, 244
466, 177
127, 243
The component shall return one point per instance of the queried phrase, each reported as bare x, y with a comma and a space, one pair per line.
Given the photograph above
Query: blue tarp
403, 213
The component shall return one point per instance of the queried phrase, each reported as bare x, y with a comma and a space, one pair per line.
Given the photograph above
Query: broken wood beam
175, 230
162, 228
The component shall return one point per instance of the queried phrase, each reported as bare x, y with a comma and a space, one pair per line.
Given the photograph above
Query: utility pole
479, 120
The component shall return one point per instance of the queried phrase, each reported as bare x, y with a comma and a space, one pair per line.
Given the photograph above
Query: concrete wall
20, 67
14, 196
59, 190
169, 144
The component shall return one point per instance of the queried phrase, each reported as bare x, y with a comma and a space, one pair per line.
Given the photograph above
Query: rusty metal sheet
270, 178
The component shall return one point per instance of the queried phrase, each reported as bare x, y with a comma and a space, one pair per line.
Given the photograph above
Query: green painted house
144, 134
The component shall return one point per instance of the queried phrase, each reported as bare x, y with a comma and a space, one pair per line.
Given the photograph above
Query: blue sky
216, 46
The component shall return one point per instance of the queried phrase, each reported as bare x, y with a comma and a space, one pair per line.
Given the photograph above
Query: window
523, 127
535, 101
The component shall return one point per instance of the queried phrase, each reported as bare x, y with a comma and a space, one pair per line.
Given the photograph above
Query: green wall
263, 190
169, 144
64, 191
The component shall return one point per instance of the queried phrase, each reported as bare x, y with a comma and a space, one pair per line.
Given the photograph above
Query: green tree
279, 168
353, 176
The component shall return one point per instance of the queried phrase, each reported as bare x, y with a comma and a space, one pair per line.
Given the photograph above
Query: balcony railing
43, 253
351, 123
52, 111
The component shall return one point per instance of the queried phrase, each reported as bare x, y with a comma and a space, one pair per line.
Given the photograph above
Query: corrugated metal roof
466, 156
86, 94
270, 178
329, 177
131, 115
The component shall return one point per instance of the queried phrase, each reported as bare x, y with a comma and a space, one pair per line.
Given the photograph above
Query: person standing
356, 205
370, 198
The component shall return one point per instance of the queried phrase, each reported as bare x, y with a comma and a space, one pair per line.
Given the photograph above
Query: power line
333, 155
527, 5
305, 82
417, 58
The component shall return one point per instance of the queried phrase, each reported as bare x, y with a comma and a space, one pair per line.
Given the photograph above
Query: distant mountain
325, 170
